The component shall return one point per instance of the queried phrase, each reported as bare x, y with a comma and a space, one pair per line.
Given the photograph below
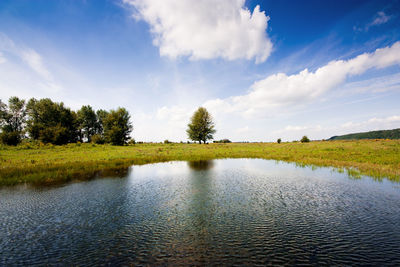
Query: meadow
49, 164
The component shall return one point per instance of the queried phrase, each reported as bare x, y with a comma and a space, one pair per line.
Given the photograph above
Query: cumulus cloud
205, 29
280, 89
174, 113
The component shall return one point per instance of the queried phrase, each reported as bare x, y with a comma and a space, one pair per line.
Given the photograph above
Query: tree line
52, 122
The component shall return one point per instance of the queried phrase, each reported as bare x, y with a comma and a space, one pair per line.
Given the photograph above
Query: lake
221, 212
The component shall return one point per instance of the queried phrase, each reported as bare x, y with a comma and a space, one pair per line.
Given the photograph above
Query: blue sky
264, 69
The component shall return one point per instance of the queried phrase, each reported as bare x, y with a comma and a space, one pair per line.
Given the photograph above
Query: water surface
236, 211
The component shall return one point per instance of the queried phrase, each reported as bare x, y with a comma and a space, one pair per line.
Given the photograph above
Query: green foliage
12, 121
383, 134
201, 126
166, 141
305, 139
279, 141
10, 138
117, 126
3, 113
51, 122
132, 141
87, 121
98, 139
101, 116
225, 141
16, 114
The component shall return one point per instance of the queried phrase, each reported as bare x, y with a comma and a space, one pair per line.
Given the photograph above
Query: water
222, 212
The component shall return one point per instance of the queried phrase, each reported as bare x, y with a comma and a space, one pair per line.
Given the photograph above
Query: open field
50, 164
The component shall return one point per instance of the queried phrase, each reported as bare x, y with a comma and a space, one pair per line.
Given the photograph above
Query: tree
279, 141
51, 122
87, 121
12, 120
305, 139
101, 117
201, 126
117, 126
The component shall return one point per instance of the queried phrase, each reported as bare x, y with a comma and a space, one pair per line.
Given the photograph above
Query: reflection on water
201, 165
222, 212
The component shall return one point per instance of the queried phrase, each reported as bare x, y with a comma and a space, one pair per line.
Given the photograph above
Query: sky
263, 69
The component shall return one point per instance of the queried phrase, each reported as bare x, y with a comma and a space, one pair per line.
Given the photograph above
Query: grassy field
51, 164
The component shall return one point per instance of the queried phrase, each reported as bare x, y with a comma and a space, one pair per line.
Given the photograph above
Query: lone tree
201, 126
305, 139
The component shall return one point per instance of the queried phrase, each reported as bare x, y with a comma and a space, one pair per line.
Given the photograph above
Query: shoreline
49, 164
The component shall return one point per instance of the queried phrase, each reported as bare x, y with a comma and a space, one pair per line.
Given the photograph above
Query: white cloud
205, 29
374, 85
374, 123
280, 89
34, 60
14, 73
291, 132
380, 18
174, 113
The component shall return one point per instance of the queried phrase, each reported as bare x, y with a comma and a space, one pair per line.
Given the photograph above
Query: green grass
52, 164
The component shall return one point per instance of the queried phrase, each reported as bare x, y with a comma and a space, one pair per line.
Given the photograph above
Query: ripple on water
232, 212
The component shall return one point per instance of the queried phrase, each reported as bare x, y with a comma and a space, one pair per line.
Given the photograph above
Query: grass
47, 164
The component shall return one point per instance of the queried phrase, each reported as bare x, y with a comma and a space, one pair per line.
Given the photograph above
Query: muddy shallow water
234, 211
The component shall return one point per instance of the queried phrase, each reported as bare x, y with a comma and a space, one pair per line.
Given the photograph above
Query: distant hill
382, 134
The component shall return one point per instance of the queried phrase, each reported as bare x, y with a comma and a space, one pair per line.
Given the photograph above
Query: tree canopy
51, 122
87, 123
117, 126
12, 120
201, 126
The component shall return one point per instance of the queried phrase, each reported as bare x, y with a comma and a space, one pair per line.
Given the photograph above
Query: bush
132, 141
279, 141
98, 139
10, 138
223, 141
305, 139
166, 141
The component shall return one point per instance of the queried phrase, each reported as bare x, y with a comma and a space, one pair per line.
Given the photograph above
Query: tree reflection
201, 165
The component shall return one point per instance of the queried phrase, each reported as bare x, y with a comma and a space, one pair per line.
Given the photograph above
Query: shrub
223, 141
132, 141
98, 139
166, 141
279, 141
10, 138
305, 139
